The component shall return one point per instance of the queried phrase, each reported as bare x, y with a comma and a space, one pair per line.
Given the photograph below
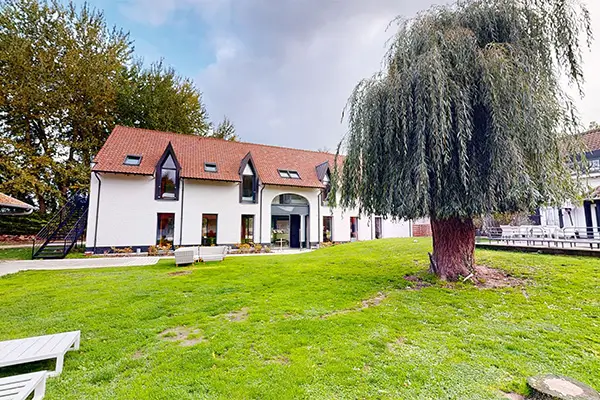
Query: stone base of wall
421, 230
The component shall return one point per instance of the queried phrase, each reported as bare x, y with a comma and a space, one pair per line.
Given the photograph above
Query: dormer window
249, 179
210, 167
289, 174
133, 160
325, 193
167, 176
248, 184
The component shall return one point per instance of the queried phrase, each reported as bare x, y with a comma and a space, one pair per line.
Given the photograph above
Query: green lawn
24, 253
287, 327
15, 253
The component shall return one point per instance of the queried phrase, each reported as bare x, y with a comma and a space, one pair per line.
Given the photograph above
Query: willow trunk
453, 248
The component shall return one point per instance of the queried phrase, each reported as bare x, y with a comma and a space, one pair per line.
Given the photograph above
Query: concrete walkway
10, 267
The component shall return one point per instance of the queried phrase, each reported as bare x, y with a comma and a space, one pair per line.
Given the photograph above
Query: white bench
186, 255
19, 387
21, 351
212, 253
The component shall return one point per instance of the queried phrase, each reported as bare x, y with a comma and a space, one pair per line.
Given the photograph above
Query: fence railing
69, 213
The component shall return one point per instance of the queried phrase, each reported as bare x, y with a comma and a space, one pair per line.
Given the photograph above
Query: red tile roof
591, 139
193, 151
8, 201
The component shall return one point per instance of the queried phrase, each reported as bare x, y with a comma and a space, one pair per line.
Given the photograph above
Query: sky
282, 70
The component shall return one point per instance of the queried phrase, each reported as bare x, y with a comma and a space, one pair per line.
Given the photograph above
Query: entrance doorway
295, 231
289, 221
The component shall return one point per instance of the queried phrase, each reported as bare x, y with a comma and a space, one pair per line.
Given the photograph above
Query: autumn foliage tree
66, 79
467, 118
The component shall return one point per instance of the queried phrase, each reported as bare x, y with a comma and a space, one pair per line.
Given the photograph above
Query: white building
151, 188
581, 218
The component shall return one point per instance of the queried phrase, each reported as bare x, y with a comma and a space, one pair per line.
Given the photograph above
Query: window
167, 173
280, 233
132, 160
353, 228
248, 184
285, 199
378, 228
327, 229
210, 167
168, 179
247, 229
209, 229
289, 174
326, 189
165, 230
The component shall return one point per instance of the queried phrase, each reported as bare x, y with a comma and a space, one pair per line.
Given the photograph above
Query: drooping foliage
468, 116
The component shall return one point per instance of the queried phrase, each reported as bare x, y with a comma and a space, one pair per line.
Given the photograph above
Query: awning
12, 206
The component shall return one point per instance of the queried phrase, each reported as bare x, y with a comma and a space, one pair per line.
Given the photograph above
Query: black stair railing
75, 233
61, 228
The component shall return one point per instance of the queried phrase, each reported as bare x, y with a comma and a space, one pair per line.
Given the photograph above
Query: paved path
10, 267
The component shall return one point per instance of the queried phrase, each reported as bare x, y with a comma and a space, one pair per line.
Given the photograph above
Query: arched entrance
290, 221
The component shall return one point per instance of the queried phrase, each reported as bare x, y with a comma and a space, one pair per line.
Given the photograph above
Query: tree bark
453, 248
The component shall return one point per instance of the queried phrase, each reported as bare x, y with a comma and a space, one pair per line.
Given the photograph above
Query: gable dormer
324, 175
167, 176
249, 180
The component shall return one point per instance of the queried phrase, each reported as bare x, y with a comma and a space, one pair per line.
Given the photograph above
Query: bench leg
76, 344
40, 390
59, 366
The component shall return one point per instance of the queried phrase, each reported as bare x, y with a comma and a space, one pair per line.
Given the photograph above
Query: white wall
221, 198
128, 213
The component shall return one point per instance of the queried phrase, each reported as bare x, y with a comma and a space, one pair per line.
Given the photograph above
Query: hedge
23, 224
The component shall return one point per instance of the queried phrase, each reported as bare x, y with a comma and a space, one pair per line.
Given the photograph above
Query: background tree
225, 130
157, 98
58, 73
66, 79
467, 118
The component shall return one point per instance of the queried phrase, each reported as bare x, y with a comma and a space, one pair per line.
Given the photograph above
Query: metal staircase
58, 237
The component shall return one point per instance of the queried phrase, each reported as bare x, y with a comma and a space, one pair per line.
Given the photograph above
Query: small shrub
244, 248
125, 250
267, 249
165, 248
257, 248
152, 250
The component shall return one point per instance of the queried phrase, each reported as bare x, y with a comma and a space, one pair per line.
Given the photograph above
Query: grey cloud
284, 68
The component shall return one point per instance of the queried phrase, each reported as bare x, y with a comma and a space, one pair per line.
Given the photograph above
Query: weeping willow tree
466, 118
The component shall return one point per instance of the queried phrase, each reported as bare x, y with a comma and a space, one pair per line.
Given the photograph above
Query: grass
24, 253
287, 327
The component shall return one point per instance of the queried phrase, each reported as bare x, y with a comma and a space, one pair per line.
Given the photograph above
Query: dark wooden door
295, 231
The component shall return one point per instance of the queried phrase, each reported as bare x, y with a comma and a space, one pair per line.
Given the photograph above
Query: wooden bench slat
19, 387
21, 351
